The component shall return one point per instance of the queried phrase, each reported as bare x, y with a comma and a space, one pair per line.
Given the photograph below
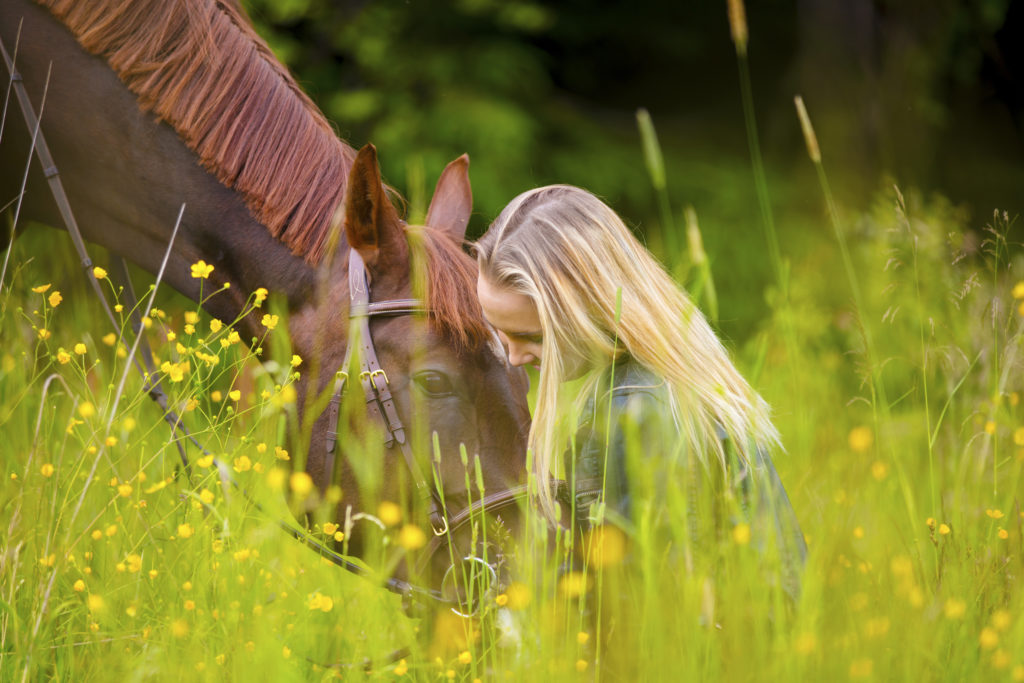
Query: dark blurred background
925, 95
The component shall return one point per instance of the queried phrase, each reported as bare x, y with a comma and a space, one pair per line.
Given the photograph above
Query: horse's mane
200, 66
451, 289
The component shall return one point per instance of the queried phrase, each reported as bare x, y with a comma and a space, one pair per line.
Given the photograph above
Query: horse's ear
452, 203
369, 216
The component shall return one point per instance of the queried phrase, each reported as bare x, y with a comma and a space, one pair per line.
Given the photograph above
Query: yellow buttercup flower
216, 325
99, 273
185, 530
296, 361
861, 668
879, 470
389, 513
235, 395
95, 603
80, 349
330, 528
46, 470
988, 638
301, 483
411, 537
242, 463
574, 584
201, 270
606, 546
63, 357
41, 288
318, 601
954, 608
860, 439
179, 628
805, 643
110, 339
124, 490
517, 595
55, 298
741, 534
269, 321
260, 295
174, 371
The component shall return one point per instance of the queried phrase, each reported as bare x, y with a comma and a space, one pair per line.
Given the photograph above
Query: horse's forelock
451, 292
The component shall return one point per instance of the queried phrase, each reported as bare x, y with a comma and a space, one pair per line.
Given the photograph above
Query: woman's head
563, 250
567, 284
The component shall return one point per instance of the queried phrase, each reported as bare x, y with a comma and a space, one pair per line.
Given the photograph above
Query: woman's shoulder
635, 389
634, 378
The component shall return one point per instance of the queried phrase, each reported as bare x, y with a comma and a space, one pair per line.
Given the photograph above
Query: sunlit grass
116, 562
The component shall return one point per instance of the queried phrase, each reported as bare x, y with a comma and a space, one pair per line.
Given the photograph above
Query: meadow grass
117, 563
896, 385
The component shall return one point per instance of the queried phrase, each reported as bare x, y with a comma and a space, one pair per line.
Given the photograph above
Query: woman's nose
518, 355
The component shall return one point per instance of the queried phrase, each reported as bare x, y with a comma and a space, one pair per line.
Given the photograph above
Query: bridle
372, 376
374, 380
380, 404
381, 408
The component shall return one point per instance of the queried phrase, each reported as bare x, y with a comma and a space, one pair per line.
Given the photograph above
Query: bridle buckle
444, 526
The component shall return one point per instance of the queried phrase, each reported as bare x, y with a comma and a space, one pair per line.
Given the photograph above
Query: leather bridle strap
151, 379
380, 403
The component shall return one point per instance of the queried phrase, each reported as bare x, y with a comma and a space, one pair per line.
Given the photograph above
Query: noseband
380, 404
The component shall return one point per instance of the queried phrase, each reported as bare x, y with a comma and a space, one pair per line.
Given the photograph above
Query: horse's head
454, 393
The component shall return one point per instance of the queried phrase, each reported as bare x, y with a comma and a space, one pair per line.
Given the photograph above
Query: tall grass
905, 461
114, 563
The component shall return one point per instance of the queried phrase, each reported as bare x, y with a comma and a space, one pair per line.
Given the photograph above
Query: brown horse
152, 103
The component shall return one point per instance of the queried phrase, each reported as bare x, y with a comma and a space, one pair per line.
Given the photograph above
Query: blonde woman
657, 408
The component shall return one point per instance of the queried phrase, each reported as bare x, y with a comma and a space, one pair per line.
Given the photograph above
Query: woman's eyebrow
536, 333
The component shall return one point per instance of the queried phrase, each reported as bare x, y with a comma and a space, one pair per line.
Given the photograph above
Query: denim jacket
633, 415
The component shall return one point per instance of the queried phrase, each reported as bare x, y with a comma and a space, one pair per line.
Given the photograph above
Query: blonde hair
574, 257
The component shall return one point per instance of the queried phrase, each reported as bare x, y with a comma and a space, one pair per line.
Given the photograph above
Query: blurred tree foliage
540, 92
515, 83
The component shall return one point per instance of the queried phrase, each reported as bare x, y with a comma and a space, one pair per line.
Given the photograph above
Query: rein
372, 378
151, 376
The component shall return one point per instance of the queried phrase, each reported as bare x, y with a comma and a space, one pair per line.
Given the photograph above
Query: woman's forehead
509, 311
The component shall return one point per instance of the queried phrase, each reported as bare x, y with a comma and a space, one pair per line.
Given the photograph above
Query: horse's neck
126, 176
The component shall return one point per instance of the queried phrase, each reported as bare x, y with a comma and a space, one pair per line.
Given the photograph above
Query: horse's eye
434, 384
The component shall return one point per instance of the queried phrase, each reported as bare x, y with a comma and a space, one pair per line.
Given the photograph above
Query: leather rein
373, 378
